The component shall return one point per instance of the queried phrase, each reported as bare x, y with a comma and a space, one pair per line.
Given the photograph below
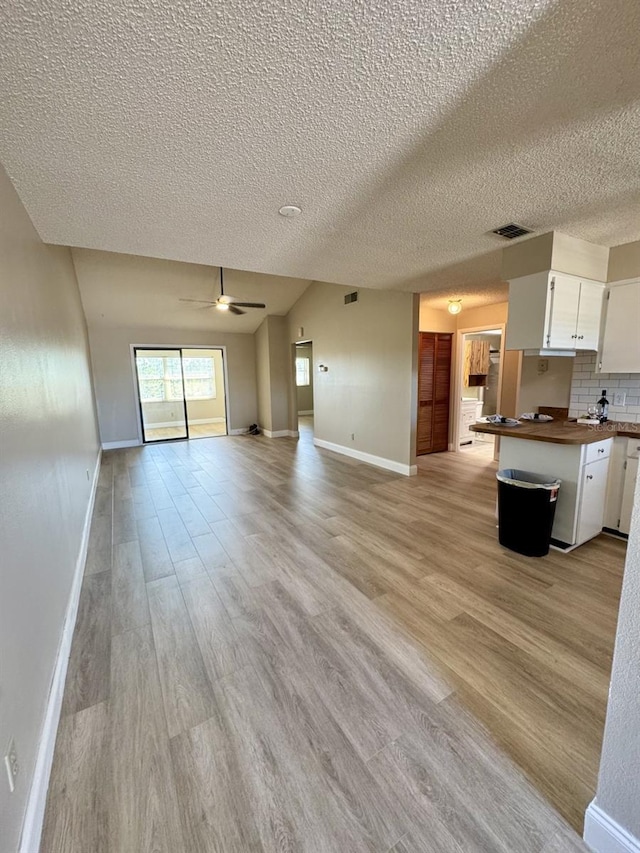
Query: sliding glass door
181, 393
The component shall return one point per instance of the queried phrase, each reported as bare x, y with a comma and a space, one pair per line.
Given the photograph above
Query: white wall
550, 388
114, 379
618, 794
49, 442
370, 349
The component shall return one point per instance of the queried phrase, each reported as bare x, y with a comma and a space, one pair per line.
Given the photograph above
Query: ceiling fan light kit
454, 306
230, 304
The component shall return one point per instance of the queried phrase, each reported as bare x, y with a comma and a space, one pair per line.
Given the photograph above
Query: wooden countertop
561, 432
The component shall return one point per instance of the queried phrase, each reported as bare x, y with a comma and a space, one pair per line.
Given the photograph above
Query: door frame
136, 391
459, 367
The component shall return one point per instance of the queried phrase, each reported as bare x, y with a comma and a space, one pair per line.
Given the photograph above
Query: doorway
480, 382
181, 392
304, 388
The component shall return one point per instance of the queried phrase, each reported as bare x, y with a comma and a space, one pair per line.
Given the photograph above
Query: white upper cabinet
554, 312
621, 342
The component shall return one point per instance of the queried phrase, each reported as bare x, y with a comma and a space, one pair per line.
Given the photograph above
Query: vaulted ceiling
405, 129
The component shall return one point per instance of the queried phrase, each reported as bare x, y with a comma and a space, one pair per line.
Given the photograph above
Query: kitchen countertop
561, 432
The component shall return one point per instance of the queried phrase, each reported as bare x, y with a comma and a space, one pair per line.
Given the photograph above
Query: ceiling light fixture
454, 306
222, 306
290, 210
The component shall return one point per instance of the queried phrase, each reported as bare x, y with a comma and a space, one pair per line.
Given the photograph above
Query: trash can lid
527, 479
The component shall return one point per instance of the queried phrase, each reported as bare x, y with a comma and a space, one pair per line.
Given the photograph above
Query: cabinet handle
573, 337
589, 476
580, 337
601, 450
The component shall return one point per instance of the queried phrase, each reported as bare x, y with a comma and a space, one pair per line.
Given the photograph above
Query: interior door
434, 381
563, 318
161, 397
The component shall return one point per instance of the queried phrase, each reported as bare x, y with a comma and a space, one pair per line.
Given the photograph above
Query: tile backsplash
586, 386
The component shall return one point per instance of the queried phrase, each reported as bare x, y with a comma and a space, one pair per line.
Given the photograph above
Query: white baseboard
306, 412
37, 799
602, 834
208, 421
280, 433
115, 445
369, 458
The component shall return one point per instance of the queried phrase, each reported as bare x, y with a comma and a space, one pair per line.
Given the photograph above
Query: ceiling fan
227, 303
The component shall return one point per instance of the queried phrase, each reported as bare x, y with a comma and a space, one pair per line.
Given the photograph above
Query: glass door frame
148, 348
179, 348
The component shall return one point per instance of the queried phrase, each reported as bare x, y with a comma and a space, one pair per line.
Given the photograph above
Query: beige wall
114, 379
273, 370
370, 350
49, 443
263, 375
555, 251
435, 320
527, 256
304, 393
624, 262
618, 791
552, 388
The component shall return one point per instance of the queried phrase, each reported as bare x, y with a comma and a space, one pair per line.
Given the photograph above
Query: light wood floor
195, 431
281, 649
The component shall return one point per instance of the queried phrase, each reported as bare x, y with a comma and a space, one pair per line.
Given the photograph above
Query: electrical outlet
11, 764
353, 436
619, 398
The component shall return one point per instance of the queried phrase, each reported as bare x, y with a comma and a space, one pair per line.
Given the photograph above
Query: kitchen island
578, 455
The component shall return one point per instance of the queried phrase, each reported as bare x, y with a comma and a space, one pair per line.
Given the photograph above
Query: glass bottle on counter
603, 407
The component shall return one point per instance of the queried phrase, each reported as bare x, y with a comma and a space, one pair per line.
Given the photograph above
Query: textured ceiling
405, 129
126, 291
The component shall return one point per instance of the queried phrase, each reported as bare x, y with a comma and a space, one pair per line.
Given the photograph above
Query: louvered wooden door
434, 379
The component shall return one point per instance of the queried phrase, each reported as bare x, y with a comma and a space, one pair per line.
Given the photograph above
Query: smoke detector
511, 231
290, 210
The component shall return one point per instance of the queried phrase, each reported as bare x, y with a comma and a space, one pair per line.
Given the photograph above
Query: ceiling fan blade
249, 304
235, 310
203, 301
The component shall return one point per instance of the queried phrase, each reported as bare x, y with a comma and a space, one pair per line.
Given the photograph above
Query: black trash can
526, 509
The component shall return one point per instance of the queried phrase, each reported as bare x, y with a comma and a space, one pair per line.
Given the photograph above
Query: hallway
279, 648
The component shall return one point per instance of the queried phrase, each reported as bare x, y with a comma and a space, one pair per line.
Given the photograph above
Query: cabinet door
592, 498
564, 298
589, 315
621, 345
630, 477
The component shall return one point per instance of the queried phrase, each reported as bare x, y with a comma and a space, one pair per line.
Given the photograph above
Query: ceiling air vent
511, 231
351, 297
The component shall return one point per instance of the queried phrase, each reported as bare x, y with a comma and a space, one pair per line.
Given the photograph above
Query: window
199, 378
161, 378
302, 371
